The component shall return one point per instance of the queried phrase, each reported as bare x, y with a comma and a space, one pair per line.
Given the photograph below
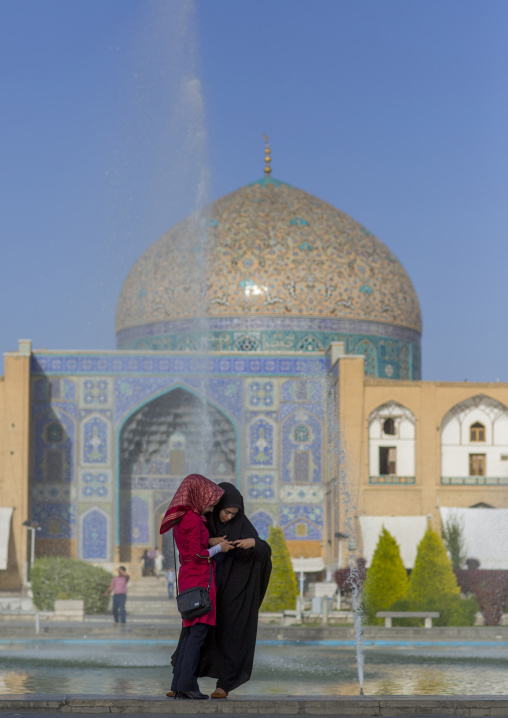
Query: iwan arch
287, 294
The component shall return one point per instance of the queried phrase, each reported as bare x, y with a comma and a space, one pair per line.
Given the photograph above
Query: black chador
228, 653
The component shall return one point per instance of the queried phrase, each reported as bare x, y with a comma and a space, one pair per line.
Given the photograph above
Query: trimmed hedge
55, 578
283, 586
386, 580
432, 575
433, 587
453, 610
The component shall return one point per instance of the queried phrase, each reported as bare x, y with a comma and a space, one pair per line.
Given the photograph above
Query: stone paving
284, 705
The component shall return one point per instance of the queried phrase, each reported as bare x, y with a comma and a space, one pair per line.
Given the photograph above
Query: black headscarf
243, 584
232, 529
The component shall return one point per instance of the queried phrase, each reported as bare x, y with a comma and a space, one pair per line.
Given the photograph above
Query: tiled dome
267, 252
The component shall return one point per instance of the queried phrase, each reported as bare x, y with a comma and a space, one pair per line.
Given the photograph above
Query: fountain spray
348, 528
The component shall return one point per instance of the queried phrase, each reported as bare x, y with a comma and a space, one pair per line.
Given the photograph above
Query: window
302, 466
477, 464
477, 433
389, 427
387, 460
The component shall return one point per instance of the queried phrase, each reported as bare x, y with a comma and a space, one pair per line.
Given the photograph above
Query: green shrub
67, 578
433, 587
432, 576
283, 587
453, 610
386, 580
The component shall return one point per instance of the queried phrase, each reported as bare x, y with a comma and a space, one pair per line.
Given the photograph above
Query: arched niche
392, 444
474, 442
262, 521
95, 535
168, 437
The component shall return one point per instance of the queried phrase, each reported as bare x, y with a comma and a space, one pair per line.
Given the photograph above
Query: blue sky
395, 112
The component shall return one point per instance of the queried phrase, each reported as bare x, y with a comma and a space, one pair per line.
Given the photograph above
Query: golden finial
268, 159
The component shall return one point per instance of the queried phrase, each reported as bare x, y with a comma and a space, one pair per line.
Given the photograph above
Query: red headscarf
195, 493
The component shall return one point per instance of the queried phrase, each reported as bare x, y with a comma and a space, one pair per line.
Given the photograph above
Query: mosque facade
255, 340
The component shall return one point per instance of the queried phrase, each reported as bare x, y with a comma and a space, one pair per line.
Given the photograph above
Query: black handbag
193, 602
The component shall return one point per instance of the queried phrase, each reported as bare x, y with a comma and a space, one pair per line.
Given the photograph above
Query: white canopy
5, 530
485, 533
408, 531
308, 565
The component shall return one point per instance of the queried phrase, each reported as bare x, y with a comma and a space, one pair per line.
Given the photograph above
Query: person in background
151, 561
158, 561
195, 497
170, 578
146, 563
119, 588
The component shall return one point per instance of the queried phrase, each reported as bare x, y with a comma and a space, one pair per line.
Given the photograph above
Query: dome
266, 260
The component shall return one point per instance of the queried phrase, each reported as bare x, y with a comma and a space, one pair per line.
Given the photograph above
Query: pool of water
137, 667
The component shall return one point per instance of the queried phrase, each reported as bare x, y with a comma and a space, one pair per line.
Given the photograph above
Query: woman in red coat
195, 497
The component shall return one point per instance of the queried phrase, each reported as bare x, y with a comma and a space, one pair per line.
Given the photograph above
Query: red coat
191, 537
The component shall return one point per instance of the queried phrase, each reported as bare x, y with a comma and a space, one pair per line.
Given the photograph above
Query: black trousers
119, 607
184, 672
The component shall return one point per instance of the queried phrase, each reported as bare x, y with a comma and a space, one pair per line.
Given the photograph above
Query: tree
453, 536
432, 576
491, 590
283, 587
386, 580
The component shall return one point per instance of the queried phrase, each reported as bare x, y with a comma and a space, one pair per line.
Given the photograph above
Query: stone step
458, 705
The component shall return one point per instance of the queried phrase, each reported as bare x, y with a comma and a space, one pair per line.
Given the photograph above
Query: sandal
219, 693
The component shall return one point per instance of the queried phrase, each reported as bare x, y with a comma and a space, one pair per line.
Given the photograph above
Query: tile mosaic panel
153, 364
302, 522
95, 433
261, 486
261, 442
301, 432
313, 494
313, 259
261, 394
95, 485
56, 519
53, 446
304, 390
261, 520
53, 492
95, 533
95, 392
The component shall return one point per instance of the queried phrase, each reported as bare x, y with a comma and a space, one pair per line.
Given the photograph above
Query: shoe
219, 693
191, 695
172, 694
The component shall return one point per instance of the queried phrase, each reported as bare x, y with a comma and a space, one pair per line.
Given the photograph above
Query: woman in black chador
242, 577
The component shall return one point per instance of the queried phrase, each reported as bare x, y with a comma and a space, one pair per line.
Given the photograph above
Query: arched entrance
173, 435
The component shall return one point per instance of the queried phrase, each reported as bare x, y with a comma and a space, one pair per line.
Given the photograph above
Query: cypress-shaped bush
432, 576
283, 587
386, 580
54, 578
433, 587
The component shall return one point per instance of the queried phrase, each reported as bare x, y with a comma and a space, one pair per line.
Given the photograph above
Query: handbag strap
176, 572
174, 561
